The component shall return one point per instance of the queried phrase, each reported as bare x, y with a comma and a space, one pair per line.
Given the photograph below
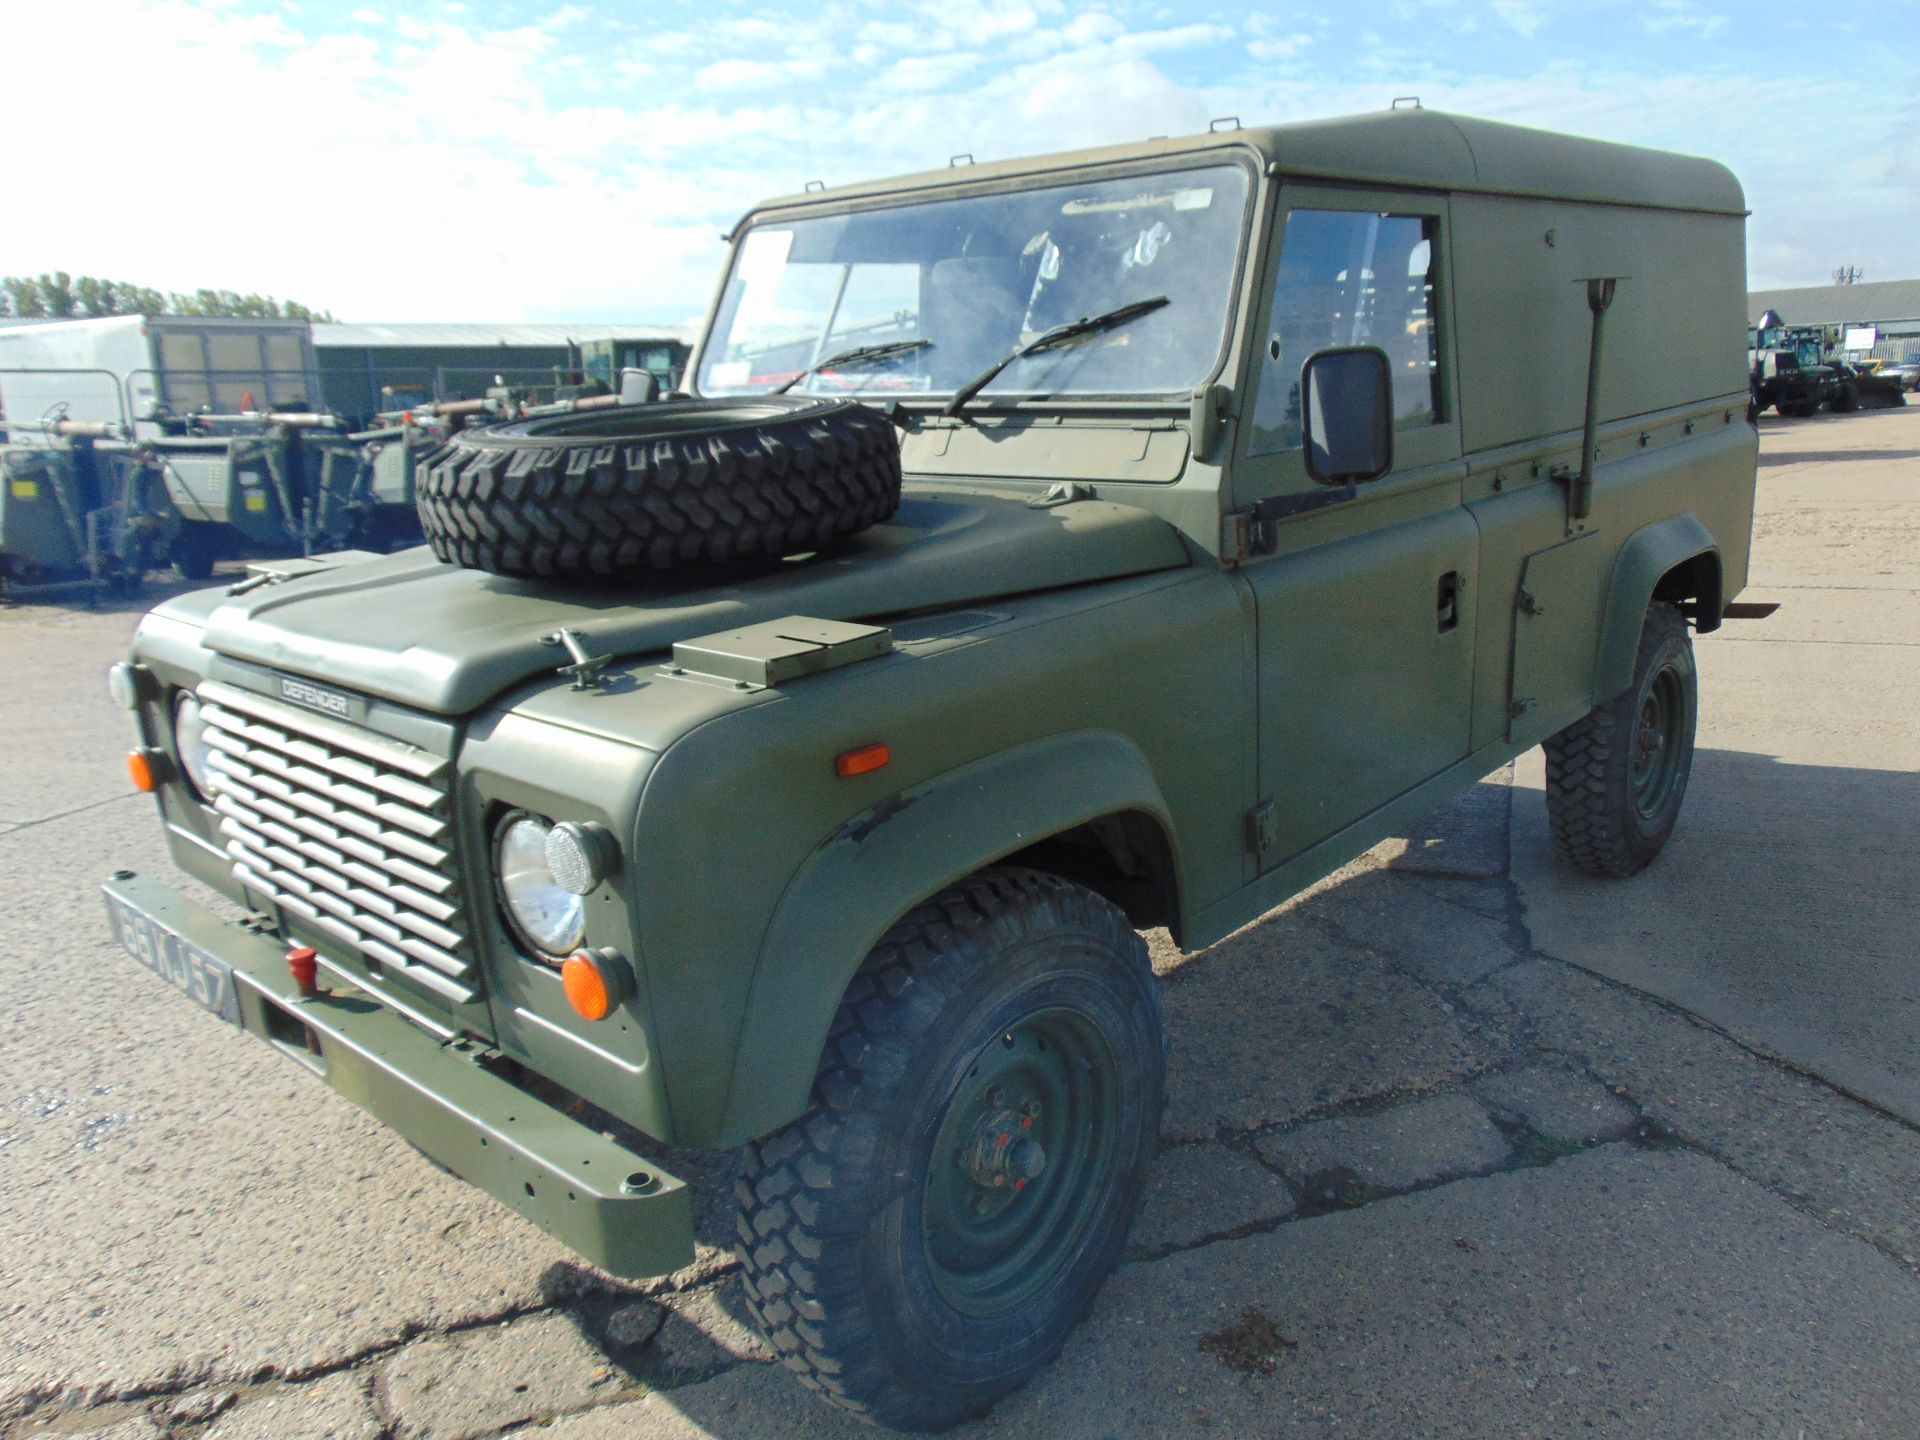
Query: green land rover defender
1042, 551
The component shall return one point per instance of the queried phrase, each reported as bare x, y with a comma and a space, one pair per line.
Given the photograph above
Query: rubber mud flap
647, 489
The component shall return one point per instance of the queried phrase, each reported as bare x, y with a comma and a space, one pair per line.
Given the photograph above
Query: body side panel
708, 873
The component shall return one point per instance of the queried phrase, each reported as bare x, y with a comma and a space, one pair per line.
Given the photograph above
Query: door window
1351, 278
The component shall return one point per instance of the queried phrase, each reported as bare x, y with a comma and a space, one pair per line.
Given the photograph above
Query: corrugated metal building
1891, 307
368, 368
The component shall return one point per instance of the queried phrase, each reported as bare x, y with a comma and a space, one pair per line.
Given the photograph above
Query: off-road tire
1603, 823
646, 489
838, 1269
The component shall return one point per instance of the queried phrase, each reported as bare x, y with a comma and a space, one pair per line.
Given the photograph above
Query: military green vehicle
1137, 536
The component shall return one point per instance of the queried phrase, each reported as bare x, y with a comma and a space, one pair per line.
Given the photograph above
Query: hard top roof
1428, 149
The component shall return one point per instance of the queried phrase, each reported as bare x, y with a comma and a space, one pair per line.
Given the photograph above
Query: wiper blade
858, 355
1048, 339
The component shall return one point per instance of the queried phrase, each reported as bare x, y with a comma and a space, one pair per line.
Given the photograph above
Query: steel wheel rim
994, 1232
1656, 752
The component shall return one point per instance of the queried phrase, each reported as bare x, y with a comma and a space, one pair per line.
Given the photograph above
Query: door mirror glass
1348, 429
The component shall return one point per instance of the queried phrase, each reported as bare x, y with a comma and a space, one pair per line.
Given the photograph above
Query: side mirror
638, 387
1348, 414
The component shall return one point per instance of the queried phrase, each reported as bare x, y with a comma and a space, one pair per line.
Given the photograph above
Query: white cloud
1280, 47
1180, 37
757, 74
1666, 15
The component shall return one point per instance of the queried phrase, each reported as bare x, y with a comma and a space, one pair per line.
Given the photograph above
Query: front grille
347, 830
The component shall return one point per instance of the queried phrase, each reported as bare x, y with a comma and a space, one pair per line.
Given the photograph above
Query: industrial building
1889, 309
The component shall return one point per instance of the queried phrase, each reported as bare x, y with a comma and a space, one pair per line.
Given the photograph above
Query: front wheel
1615, 779
927, 1235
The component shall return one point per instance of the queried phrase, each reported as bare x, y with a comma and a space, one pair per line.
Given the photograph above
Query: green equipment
78, 510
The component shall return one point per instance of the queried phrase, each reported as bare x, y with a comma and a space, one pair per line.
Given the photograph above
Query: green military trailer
78, 510
1137, 535
363, 488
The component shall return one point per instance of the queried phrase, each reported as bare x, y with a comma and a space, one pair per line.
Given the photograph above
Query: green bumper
613, 1206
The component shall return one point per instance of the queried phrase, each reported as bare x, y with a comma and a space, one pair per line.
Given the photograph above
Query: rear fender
1649, 555
882, 863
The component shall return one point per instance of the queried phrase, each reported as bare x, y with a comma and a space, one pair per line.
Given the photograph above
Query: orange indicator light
864, 761
587, 988
146, 775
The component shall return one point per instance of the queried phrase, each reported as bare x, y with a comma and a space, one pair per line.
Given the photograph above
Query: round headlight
545, 916
190, 737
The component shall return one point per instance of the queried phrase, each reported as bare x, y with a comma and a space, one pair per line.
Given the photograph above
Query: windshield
977, 277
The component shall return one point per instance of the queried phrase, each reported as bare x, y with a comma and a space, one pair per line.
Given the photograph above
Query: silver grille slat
423, 797
346, 829
316, 839
347, 820
396, 753
249, 762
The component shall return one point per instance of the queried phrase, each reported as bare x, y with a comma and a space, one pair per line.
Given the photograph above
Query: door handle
1447, 602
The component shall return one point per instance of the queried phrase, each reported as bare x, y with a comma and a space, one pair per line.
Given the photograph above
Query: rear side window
1351, 278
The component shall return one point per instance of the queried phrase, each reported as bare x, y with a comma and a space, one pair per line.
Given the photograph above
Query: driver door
1365, 648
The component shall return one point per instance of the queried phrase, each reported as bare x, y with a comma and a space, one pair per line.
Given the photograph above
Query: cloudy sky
505, 161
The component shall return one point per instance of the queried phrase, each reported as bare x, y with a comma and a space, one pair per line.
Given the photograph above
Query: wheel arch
1674, 559
1084, 805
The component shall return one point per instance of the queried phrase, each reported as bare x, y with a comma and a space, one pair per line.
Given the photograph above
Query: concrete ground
1458, 1144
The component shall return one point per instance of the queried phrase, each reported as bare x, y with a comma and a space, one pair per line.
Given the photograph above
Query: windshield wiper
1048, 339
859, 354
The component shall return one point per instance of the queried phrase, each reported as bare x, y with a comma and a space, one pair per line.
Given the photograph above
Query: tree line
60, 296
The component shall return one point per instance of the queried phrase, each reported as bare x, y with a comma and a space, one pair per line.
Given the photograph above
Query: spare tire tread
531, 499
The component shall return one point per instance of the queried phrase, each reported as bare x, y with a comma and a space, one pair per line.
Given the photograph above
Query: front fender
877, 866
1647, 556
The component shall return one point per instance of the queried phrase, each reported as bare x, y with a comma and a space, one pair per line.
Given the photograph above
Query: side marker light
594, 983
146, 769
864, 761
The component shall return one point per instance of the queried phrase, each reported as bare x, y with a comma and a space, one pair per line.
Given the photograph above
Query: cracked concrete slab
1396, 1148
1281, 1020
1419, 927
478, 1382
1203, 1190
129, 1427
1556, 1104
1610, 1293
706, 1330
1855, 1168
1465, 838
336, 1407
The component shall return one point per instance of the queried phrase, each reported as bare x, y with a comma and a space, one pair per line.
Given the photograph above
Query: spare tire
642, 489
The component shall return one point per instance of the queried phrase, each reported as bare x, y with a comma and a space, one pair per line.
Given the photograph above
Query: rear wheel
927, 1235
1616, 779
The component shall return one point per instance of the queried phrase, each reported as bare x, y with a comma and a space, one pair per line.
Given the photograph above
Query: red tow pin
303, 965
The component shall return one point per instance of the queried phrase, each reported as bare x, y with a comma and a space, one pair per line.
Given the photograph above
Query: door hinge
1263, 830
1246, 533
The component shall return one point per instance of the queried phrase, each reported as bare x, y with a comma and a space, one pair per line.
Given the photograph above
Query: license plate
182, 965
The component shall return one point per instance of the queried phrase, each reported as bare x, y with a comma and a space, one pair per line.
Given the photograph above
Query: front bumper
613, 1206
